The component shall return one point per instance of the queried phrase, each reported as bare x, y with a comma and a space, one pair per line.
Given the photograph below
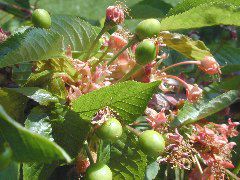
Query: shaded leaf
14, 103
193, 112
11, 172
28, 146
37, 171
69, 131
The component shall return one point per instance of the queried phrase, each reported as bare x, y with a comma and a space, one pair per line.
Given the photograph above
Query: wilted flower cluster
210, 140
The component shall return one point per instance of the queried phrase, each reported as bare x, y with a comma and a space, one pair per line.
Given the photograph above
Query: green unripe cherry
147, 28
5, 157
110, 130
98, 171
152, 143
41, 18
146, 51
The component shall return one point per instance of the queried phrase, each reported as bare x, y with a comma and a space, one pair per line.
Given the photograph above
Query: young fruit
5, 157
147, 28
41, 18
98, 171
152, 143
145, 52
110, 130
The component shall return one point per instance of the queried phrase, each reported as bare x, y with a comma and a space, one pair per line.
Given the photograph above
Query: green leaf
70, 131
21, 73
22, 3
37, 171
152, 171
192, 112
14, 103
34, 45
231, 83
38, 122
127, 160
129, 99
77, 33
11, 173
185, 45
28, 146
227, 56
41, 96
149, 9
205, 13
103, 154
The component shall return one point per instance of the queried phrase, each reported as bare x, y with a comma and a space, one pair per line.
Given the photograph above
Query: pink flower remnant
210, 66
214, 148
115, 14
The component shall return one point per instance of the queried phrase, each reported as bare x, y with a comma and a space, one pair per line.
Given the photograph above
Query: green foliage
37, 171
77, 33
41, 96
227, 56
152, 171
69, 131
129, 99
127, 160
22, 3
14, 103
38, 122
47, 81
21, 72
11, 172
193, 112
34, 45
192, 49
196, 14
26, 144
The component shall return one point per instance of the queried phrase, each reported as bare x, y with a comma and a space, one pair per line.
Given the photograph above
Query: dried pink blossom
228, 130
210, 66
3, 35
154, 118
193, 92
117, 41
115, 14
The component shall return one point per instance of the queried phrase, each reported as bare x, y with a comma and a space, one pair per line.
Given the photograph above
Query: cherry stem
100, 59
130, 73
134, 131
85, 145
176, 78
105, 28
198, 164
181, 63
130, 43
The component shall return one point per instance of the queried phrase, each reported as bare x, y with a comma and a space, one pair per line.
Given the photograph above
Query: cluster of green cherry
151, 142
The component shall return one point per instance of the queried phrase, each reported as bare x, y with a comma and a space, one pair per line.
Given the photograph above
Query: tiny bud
115, 14
193, 92
210, 66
